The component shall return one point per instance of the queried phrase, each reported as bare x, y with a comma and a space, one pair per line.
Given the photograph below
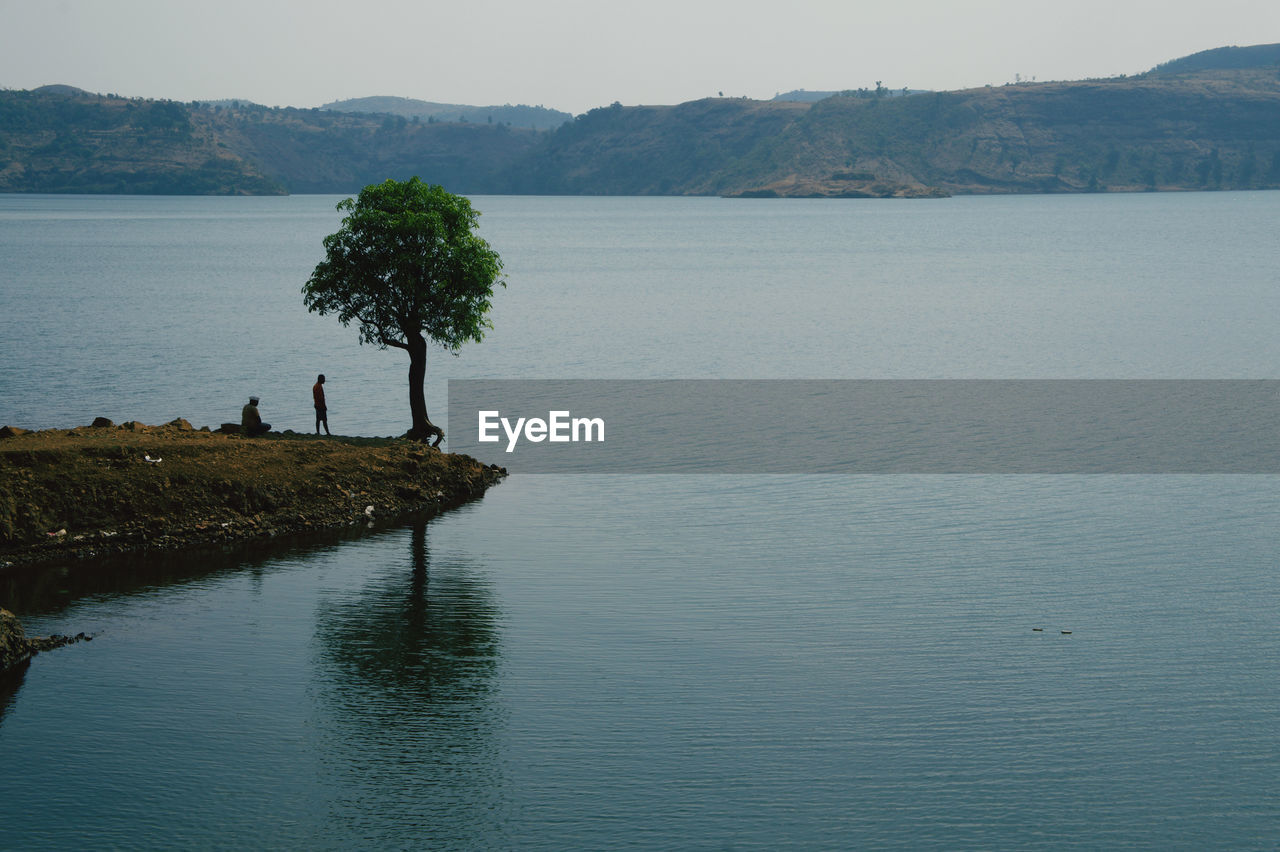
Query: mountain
651, 150
1211, 129
1222, 59
62, 139
1216, 129
325, 151
58, 141
532, 117
1206, 121
58, 89
805, 96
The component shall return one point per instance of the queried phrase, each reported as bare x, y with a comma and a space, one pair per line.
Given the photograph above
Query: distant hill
55, 142
807, 97
802, 96
1209, 130
1223, 59
533, 117
1207, 121
320, 150
651, 150
58, 89
62, 139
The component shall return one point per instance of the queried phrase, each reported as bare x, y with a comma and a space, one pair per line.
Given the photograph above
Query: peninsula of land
105, 489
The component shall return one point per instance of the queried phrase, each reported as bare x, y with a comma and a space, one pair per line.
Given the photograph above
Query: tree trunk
423, 429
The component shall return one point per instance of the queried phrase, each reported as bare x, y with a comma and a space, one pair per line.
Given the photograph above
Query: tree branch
382, 335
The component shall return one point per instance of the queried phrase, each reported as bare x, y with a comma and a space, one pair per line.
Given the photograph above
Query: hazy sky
578, 54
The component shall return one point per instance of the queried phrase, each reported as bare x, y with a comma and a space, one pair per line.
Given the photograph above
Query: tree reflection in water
406, 713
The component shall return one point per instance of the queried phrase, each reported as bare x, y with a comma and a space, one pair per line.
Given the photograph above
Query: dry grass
92, 490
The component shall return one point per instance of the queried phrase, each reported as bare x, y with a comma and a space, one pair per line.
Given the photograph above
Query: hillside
520, 115
323, 151
651, 150
1209, 130
1213, 129
1207, 121
60, 139
1222, 59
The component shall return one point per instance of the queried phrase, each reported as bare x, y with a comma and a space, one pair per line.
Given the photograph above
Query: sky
575, 55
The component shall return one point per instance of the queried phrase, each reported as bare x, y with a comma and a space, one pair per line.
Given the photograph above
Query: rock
12, 431
180, 424
48, 643
101, 423
229, 429
14, 647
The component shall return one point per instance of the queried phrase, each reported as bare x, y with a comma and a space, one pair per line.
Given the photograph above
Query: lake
662, 661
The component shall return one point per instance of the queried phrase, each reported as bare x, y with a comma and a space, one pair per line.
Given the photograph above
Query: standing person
322, 412
251, 419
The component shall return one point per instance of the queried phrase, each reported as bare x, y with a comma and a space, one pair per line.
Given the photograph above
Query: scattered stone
16, 647
102, 423
180, 424
48, 643
12, 431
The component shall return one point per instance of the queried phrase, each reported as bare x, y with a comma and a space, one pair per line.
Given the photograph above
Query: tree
407, 266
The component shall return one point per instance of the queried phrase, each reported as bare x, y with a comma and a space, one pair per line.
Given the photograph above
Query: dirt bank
97, 490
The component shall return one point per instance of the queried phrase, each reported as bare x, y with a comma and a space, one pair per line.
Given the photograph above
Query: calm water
697, 662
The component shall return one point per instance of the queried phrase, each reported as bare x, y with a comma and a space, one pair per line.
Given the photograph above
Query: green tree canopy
408, 267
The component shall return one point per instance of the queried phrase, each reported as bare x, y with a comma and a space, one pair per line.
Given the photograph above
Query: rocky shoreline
16, 648
103, 489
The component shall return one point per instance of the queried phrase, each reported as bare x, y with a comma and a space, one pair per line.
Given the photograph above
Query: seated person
251, 421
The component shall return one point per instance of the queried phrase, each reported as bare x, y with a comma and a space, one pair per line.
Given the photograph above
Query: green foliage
407, 263
167, 116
